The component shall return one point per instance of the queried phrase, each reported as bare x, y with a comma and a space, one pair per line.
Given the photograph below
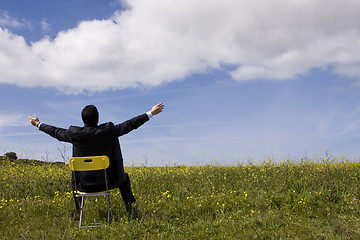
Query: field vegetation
315, 198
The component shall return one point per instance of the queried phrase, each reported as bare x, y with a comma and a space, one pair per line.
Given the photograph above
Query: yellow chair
92, 163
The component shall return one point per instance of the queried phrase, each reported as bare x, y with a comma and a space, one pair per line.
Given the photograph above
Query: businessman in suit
93, 140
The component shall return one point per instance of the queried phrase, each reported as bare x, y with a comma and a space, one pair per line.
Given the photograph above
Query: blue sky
240, 80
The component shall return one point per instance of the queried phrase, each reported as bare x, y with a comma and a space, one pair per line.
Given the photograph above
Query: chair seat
86, 194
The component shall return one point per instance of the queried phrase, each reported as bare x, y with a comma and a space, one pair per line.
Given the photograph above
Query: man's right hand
157, 109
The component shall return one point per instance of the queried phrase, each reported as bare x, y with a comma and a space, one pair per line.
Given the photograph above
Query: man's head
90, 115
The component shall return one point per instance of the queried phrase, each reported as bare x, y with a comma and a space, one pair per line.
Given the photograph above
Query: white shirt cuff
39, 125
149, 114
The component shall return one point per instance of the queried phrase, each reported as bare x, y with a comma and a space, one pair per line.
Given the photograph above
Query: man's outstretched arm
134, 123
58, 133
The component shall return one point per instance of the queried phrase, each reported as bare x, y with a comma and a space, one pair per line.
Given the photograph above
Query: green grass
288, 200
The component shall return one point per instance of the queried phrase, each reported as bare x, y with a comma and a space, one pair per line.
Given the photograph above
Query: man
95, 140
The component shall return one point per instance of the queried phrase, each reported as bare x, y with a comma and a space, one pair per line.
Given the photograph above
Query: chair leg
81, 210
82, 202
108, 217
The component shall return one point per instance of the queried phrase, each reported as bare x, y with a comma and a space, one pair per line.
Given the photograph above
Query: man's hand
157, 109
34, 121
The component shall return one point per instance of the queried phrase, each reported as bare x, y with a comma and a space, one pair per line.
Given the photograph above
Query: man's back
96, 140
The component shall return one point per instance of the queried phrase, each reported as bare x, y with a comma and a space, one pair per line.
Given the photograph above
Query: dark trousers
125, 190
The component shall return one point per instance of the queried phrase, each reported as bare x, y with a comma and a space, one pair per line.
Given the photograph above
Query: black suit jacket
95, 141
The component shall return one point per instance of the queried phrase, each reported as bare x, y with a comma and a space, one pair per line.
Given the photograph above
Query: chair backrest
90, 173
89, 163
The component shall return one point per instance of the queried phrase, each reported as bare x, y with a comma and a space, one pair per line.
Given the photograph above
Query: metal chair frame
90, 163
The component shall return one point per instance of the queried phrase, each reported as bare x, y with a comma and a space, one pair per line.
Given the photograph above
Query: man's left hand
34, 121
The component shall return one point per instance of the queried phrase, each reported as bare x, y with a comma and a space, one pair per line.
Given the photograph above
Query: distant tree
10, 155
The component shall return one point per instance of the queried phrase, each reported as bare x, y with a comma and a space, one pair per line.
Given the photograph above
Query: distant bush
10, 156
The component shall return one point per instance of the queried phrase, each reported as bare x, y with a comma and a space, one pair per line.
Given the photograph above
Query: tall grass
317, 199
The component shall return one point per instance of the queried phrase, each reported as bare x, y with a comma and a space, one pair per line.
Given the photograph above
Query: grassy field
314, 199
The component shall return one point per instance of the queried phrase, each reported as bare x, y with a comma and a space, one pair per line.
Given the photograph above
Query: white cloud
45, 26
8, 21
155, 42
11, 119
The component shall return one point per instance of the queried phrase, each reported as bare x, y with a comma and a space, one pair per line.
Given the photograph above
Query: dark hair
90, 115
